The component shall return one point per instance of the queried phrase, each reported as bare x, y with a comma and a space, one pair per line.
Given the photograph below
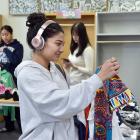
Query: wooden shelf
69, 25
103, 42
109, 34
82, 14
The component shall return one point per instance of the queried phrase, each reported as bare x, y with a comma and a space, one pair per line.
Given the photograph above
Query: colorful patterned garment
102, 117
113, 95
118, 94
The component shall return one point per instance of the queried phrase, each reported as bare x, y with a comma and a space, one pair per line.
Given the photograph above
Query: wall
18, 24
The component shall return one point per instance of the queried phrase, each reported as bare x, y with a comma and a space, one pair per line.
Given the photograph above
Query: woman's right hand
66, 64
109, 69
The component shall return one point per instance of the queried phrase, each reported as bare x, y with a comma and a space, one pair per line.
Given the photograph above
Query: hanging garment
6, 82
130, 116
113, 95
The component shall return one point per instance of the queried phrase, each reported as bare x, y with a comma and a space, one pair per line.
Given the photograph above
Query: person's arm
88, 55
51, 100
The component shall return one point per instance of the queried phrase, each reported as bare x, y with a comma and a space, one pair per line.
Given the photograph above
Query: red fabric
86, 115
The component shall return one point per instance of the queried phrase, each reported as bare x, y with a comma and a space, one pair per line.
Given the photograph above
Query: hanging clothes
6, 81
113, 95
11, 56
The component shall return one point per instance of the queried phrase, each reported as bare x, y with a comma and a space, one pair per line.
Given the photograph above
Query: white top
84, 65
47, 105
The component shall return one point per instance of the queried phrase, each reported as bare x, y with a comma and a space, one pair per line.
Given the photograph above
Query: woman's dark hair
80, 30
8, 28
34, 22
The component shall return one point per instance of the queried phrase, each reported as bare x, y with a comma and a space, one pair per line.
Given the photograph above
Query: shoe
2, 130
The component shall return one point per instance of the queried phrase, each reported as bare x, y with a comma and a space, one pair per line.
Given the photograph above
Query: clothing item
80, 128
84, 65
130, 115
3, 58
46, 103
11, 56
102, 111
6, 80
102, 117
118, 93
116, 130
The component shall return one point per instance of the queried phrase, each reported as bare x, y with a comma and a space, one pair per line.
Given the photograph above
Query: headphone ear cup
42, 43
38, 43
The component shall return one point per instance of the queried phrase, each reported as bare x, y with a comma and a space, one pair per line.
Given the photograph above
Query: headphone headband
38, 41
44, 26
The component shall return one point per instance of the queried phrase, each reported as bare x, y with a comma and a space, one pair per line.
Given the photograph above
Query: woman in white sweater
81, 55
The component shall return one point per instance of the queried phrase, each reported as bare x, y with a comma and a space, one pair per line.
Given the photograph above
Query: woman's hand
109, 69
2, 48
66, 64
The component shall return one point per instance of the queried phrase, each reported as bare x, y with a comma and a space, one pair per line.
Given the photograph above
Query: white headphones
38, 41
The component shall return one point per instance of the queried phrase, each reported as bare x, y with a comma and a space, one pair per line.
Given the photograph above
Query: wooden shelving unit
102, 42
87, 18
118, 35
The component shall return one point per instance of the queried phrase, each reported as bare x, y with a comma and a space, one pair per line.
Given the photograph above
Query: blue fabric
81, 128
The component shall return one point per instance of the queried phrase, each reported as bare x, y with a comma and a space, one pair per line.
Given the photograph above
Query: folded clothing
8, 93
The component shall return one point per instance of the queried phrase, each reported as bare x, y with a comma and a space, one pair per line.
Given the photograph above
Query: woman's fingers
113, 59
115, 66
109, 69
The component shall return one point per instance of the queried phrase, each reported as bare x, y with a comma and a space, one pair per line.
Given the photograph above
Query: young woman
81, 57
11, 54
11, 50
47, 103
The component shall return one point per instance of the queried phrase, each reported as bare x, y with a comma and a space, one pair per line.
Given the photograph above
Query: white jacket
47, 105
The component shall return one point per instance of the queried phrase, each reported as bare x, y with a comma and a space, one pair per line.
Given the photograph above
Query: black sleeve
16, 56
